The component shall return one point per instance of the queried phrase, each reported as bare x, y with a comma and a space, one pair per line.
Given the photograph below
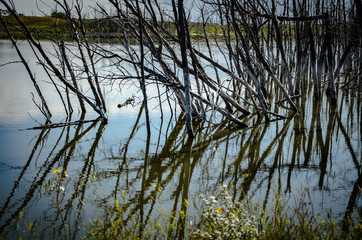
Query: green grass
215, 217
49, 27
221, 218
41, 27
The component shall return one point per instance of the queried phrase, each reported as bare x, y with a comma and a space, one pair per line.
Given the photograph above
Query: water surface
314, 156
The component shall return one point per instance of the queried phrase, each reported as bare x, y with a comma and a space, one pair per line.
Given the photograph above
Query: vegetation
56, 27
218, 218
60, 15
41, 27
221, 218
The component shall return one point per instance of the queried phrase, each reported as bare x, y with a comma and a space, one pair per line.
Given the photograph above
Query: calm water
315, 156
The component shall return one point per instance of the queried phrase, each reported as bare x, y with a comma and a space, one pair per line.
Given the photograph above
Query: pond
314, 156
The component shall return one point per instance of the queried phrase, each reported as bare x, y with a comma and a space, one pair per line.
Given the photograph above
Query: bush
58, 15
222, 219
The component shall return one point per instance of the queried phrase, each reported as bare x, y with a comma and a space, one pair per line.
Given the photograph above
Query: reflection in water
318, 151
59, 154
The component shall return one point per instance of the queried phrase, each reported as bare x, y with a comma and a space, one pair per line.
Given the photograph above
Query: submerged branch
62, 124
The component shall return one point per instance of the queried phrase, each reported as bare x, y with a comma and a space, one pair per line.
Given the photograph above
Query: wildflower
219, 210
213, 201
61, 189
56, 171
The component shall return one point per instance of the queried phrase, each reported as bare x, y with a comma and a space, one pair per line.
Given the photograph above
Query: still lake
315, 156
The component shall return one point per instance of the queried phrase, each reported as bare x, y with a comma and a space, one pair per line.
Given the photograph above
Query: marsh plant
54, 184
219, 217
223, 219
116, 223
55, 188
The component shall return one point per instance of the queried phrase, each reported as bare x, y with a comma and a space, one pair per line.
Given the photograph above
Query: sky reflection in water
317, 152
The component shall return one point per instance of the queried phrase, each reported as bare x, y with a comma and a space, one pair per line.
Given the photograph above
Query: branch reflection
166, 172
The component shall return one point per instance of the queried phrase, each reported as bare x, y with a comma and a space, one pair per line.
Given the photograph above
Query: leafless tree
269, 49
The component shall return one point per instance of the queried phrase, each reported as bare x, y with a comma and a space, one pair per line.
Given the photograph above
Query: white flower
61, 189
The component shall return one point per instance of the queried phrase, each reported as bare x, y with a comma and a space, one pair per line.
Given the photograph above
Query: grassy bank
57, 28
40, 27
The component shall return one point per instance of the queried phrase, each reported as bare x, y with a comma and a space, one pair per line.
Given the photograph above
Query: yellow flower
56, 171
219, 210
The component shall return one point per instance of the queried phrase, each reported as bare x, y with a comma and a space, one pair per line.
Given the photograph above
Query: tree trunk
182, 39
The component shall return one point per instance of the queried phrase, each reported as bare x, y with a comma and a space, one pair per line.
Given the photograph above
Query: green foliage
116, 223
40, 27
60, 15
221, 218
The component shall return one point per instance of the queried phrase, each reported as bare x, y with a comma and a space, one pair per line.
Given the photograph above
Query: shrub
222, 219
60, 15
